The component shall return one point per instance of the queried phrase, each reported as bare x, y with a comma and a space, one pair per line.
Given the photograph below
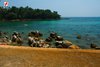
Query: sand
15, 56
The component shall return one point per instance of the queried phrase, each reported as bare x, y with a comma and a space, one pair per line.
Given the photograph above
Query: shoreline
24, 20
49, 49
52, 41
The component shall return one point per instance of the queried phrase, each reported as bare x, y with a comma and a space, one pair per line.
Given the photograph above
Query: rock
67, 44
74, 47
36, 33
36, 39
19, 41
1, 33
46, 45
97, 48
92, 45
30, 41
78, 37
29, 34
59, 38
59, 43
15, 33
49, 39
14, 38
5, 39
59, 46
53, 35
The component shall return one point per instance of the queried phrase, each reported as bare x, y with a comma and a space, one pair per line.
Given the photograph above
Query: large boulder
74, 47
68, 42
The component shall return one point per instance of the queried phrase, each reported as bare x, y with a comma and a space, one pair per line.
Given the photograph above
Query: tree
21, 13
11, 16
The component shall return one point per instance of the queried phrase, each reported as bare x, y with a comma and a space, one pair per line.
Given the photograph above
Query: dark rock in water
59, 38
93, 45
33, 32
53, 35
78, 37
36, 34
22, 33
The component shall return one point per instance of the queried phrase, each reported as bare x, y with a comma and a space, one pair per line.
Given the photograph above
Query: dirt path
11, 56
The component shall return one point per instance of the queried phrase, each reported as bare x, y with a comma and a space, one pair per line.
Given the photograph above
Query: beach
21, 56
40, 34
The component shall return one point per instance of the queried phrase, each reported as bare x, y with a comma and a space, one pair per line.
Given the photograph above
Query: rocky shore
34, 39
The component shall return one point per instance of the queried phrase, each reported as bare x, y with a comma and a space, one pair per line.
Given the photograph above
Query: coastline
15, 56
50, 49
18, 20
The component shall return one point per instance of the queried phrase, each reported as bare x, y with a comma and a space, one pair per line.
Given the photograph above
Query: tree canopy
13, 13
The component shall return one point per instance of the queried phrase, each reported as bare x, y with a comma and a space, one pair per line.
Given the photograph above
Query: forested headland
26, 13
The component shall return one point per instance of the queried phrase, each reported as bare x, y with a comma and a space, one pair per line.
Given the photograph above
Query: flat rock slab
11, 56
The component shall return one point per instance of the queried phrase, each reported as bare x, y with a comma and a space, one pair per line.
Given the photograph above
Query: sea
69, 28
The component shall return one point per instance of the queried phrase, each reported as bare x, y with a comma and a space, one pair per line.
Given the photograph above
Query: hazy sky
66, 8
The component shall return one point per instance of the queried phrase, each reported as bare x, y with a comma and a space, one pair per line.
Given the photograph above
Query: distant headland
26, 13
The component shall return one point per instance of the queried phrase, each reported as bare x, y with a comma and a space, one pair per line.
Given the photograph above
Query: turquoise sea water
87, 27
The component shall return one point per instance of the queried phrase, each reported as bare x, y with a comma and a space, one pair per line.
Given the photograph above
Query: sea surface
87, 27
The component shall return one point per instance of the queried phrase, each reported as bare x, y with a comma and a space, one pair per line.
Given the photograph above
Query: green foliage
14, 13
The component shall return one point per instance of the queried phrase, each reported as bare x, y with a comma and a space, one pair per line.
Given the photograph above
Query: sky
66, 8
